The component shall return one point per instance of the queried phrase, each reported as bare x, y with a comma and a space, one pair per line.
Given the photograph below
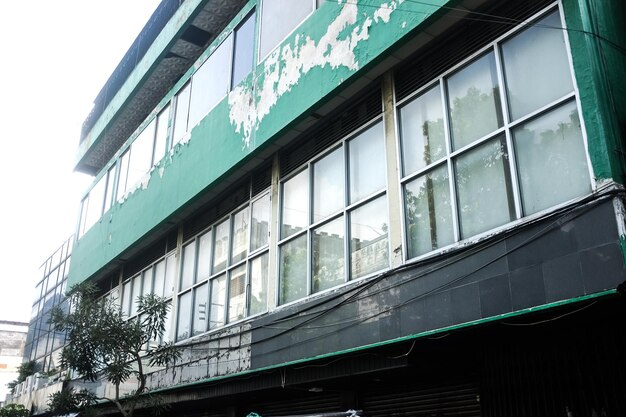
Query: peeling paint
283, 68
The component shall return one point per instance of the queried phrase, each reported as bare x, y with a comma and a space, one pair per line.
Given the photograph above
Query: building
12, 340
398, 207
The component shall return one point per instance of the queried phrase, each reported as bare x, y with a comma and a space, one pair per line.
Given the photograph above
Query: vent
450, 400
145, 258
261, 180
314, 404
331, 130
467, 37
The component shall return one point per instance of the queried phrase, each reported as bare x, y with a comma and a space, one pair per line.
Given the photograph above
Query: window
495, 140
224, 271
278, 19
243, 54
334, 218
182, 113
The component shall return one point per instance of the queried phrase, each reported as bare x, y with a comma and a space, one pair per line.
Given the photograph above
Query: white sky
55, 57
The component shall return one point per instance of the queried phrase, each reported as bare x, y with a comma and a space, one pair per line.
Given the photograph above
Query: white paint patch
284, 68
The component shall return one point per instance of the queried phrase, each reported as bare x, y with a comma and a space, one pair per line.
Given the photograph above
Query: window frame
226, 271
344, 213
508, 126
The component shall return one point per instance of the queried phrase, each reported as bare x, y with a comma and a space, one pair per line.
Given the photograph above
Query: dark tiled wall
564, 256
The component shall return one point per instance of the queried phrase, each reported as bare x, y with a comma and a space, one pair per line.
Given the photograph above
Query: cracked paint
286, 65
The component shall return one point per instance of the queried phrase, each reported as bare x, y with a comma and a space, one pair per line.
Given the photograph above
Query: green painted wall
334, 44
597, 35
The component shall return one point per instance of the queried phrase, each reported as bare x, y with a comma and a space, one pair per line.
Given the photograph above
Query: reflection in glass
278, 18
428, 212
170, 276
200, 307
218, 299
134, 305
293, 270
244, 49
536, 67
367, 163
260, 232
369, 251
140, 156
237, 294
220, 246
210, 83
146, 286
551, 159
328, 255
328, 185
258, 284
474, 100
121, 185
240, 235
295, 204
184, 316
423, 138
484, 188
181, 114
204, 257
108, 199
187, 274
126, 297
159, 278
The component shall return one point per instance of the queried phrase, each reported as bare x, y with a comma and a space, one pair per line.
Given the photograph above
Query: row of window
494, 139
230, 62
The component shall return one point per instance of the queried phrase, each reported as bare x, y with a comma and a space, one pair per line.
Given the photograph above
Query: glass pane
170, 276
160, 141
295, 206
483, 188
184, 316
95, 203
146, 287
126, 297
200, 308
278, 18
367, 163
189, 255
121, 185
428, 212
240, 235
136, 283
140, 156
220, 246
168, 324
210, 83
551, 159
159, 278
328, 185
422, 130
474, 100
293, 266
369, 248
204, 256
244, 49
218, 299
237, 294
258, 285
260, 223
328, 256
109, 198
182, 113
536, 67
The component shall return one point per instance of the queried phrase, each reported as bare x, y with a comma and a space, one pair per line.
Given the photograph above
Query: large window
334, 219
494, 140
224, 271
278, 19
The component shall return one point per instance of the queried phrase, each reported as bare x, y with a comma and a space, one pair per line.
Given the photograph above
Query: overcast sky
56, 55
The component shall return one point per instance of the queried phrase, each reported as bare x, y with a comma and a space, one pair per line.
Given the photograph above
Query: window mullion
451, 177
509, 140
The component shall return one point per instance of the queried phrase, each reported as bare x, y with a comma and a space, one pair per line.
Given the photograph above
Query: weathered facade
400, 207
